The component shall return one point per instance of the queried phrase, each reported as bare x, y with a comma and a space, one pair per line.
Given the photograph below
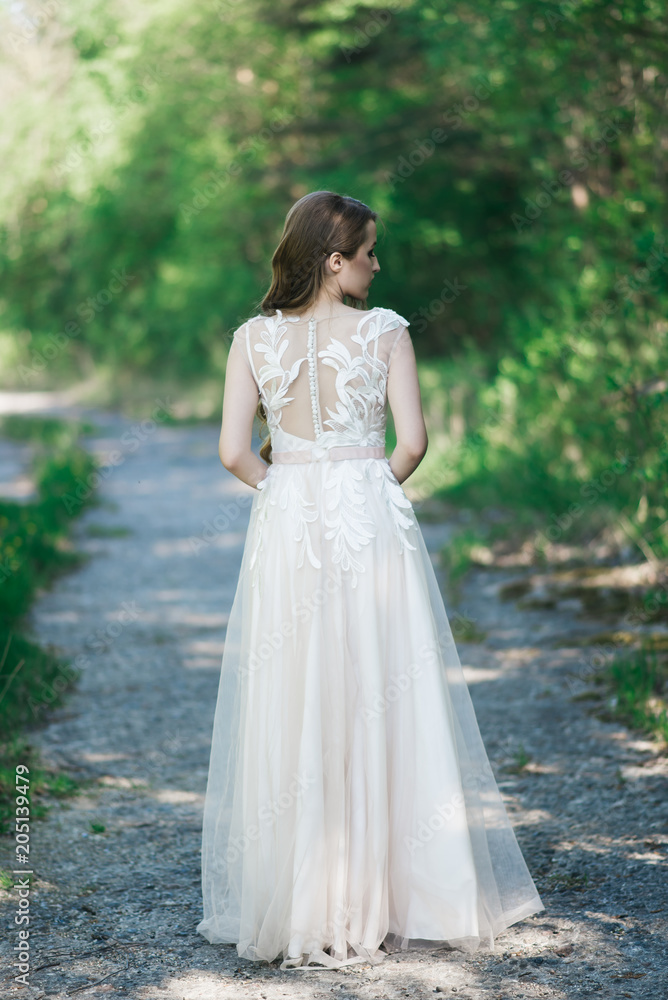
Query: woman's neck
324, 307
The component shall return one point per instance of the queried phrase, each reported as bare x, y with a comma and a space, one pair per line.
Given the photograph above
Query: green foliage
43, 783
511, 150
40, 430
183, 136
456, 554
33, 536
640, 685
34, 548
518, 762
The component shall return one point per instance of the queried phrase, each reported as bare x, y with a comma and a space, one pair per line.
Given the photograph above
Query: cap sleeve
397, 325
401, 342
241, 340
392, 320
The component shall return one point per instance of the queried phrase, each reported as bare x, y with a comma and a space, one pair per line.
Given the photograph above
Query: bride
350, 806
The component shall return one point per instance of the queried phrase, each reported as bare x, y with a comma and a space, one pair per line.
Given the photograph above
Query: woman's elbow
416, 448
230, 457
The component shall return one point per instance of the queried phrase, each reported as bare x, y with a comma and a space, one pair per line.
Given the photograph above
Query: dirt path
119, 907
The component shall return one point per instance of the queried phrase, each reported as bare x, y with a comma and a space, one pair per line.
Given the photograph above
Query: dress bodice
323, 381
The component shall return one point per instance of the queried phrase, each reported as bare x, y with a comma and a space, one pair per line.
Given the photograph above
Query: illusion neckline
300, 316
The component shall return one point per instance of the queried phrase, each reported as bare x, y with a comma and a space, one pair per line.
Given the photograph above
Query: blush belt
319, 453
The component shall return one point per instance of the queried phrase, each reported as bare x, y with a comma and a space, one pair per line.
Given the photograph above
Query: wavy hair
319, 224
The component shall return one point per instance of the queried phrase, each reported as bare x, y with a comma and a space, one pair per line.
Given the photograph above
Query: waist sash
320, 453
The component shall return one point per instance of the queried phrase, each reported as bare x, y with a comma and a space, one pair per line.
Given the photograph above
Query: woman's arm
240, 401
403, 394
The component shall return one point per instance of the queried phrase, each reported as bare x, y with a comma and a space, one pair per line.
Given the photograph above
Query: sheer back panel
326, 378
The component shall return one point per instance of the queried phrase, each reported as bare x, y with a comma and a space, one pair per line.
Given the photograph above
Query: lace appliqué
397, 502
358, 418
261, 516
303, 513
346, 516
346, 519
273, 345
359, 413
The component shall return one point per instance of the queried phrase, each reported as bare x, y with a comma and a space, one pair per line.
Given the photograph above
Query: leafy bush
34, 548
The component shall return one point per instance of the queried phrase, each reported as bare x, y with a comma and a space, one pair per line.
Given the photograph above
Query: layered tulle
350, 801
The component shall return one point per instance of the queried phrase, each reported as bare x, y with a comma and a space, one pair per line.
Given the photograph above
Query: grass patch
7, 880
466, 629
590, 694
44, 782
107, 531
457, 553
37, 429
514, 590
567, 882
32, 679
639, 681
617, 637
472, 546
34, 548
519, 761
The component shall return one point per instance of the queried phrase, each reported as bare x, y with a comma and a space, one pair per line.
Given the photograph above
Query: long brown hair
316, 226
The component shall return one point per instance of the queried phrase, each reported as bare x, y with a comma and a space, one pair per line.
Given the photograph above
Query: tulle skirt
350, 802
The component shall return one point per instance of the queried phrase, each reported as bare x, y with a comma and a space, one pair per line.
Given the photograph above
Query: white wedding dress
350, 801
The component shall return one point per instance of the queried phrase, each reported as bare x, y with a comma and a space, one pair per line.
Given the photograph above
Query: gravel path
114, 912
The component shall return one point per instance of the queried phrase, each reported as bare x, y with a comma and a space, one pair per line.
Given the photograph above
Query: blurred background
516, 154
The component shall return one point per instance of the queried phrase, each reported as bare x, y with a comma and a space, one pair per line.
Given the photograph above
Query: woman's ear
335, 262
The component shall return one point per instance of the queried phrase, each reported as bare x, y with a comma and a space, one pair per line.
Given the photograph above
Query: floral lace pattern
360, 409
274, 380
358, 418
346, 516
